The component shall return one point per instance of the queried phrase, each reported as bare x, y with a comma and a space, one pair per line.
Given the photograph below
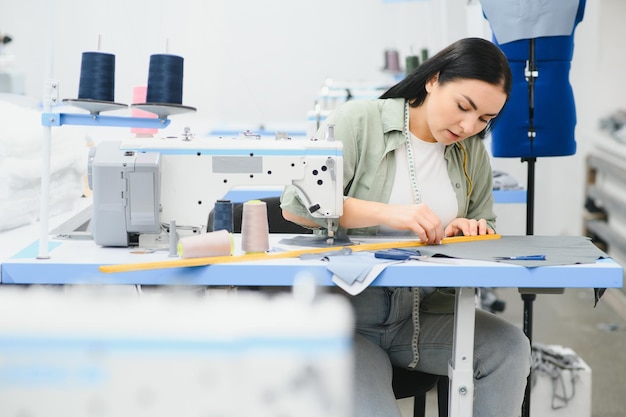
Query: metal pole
531, 74
50, 91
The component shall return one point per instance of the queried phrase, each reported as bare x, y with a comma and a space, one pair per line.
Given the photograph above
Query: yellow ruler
181, 263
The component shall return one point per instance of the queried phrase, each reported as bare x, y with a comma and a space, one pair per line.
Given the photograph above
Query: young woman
415, 163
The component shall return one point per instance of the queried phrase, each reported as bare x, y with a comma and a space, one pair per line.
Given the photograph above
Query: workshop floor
597, 335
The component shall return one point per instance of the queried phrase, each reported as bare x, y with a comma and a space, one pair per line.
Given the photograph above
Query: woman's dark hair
468, 58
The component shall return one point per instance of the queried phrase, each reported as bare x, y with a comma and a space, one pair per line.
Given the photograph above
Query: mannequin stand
531, 74
529, 298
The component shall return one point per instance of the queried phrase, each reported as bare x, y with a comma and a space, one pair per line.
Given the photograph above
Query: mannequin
550, 112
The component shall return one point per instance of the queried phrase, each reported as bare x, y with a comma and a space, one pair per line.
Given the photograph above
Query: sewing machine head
142, 185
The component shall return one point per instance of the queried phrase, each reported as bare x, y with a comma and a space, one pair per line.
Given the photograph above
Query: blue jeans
384, 331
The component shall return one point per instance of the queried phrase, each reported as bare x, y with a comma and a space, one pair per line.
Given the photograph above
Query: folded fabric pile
21, 138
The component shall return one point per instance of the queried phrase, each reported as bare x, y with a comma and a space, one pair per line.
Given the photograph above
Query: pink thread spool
392, 61
219, 243
254, 227
139, 96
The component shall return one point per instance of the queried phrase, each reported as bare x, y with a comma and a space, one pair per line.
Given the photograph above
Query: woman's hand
468, 227
418, 218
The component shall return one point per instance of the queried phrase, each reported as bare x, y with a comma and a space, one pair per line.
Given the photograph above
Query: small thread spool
223, 216
219, 243
139, 96
97, 77
254, 227
392, 60
165, 79
411, 62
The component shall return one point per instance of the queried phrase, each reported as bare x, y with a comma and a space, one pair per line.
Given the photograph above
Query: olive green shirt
371, 130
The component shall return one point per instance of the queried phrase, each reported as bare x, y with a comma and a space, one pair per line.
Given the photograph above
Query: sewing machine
141, 186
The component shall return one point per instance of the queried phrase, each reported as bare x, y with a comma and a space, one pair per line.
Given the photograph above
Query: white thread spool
219, 243
254, 227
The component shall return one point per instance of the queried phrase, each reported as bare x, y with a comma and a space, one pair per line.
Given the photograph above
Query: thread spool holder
51, 119
95, 119
58, 119
163, 110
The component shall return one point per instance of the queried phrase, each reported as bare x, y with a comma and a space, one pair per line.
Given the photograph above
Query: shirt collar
392, 118
392, 114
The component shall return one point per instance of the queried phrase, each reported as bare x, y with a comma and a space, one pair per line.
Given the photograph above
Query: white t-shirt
432, 179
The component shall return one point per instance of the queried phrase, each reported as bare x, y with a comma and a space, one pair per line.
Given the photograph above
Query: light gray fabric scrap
559, 250
354, 267
315, 241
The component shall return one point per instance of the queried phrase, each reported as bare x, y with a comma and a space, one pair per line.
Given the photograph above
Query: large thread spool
97, 77
254, 227
218, 243
165, 79
223, 215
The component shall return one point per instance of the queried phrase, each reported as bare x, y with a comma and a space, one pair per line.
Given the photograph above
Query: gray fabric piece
559, 250
316, 241
354, 267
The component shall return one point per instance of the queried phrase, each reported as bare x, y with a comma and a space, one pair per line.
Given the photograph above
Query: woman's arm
302, 221
418, 218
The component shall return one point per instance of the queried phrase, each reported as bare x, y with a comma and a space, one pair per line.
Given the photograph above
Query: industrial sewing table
76, 261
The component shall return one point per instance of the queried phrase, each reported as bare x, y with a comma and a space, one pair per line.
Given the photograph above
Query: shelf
605, 206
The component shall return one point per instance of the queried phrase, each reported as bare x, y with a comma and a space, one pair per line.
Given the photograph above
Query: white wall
250, 63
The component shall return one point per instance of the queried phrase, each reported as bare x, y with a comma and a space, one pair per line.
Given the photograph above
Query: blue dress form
554, 115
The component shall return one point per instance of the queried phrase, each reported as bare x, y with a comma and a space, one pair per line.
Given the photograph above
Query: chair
405, 383
416, 384
276, 222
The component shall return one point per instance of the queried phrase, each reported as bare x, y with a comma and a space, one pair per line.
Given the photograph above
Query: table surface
76, 261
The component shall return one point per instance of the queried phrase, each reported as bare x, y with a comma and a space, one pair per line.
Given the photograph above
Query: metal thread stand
529, 298
531, 73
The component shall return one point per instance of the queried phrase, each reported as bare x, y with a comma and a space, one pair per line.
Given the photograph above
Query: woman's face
459, 109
